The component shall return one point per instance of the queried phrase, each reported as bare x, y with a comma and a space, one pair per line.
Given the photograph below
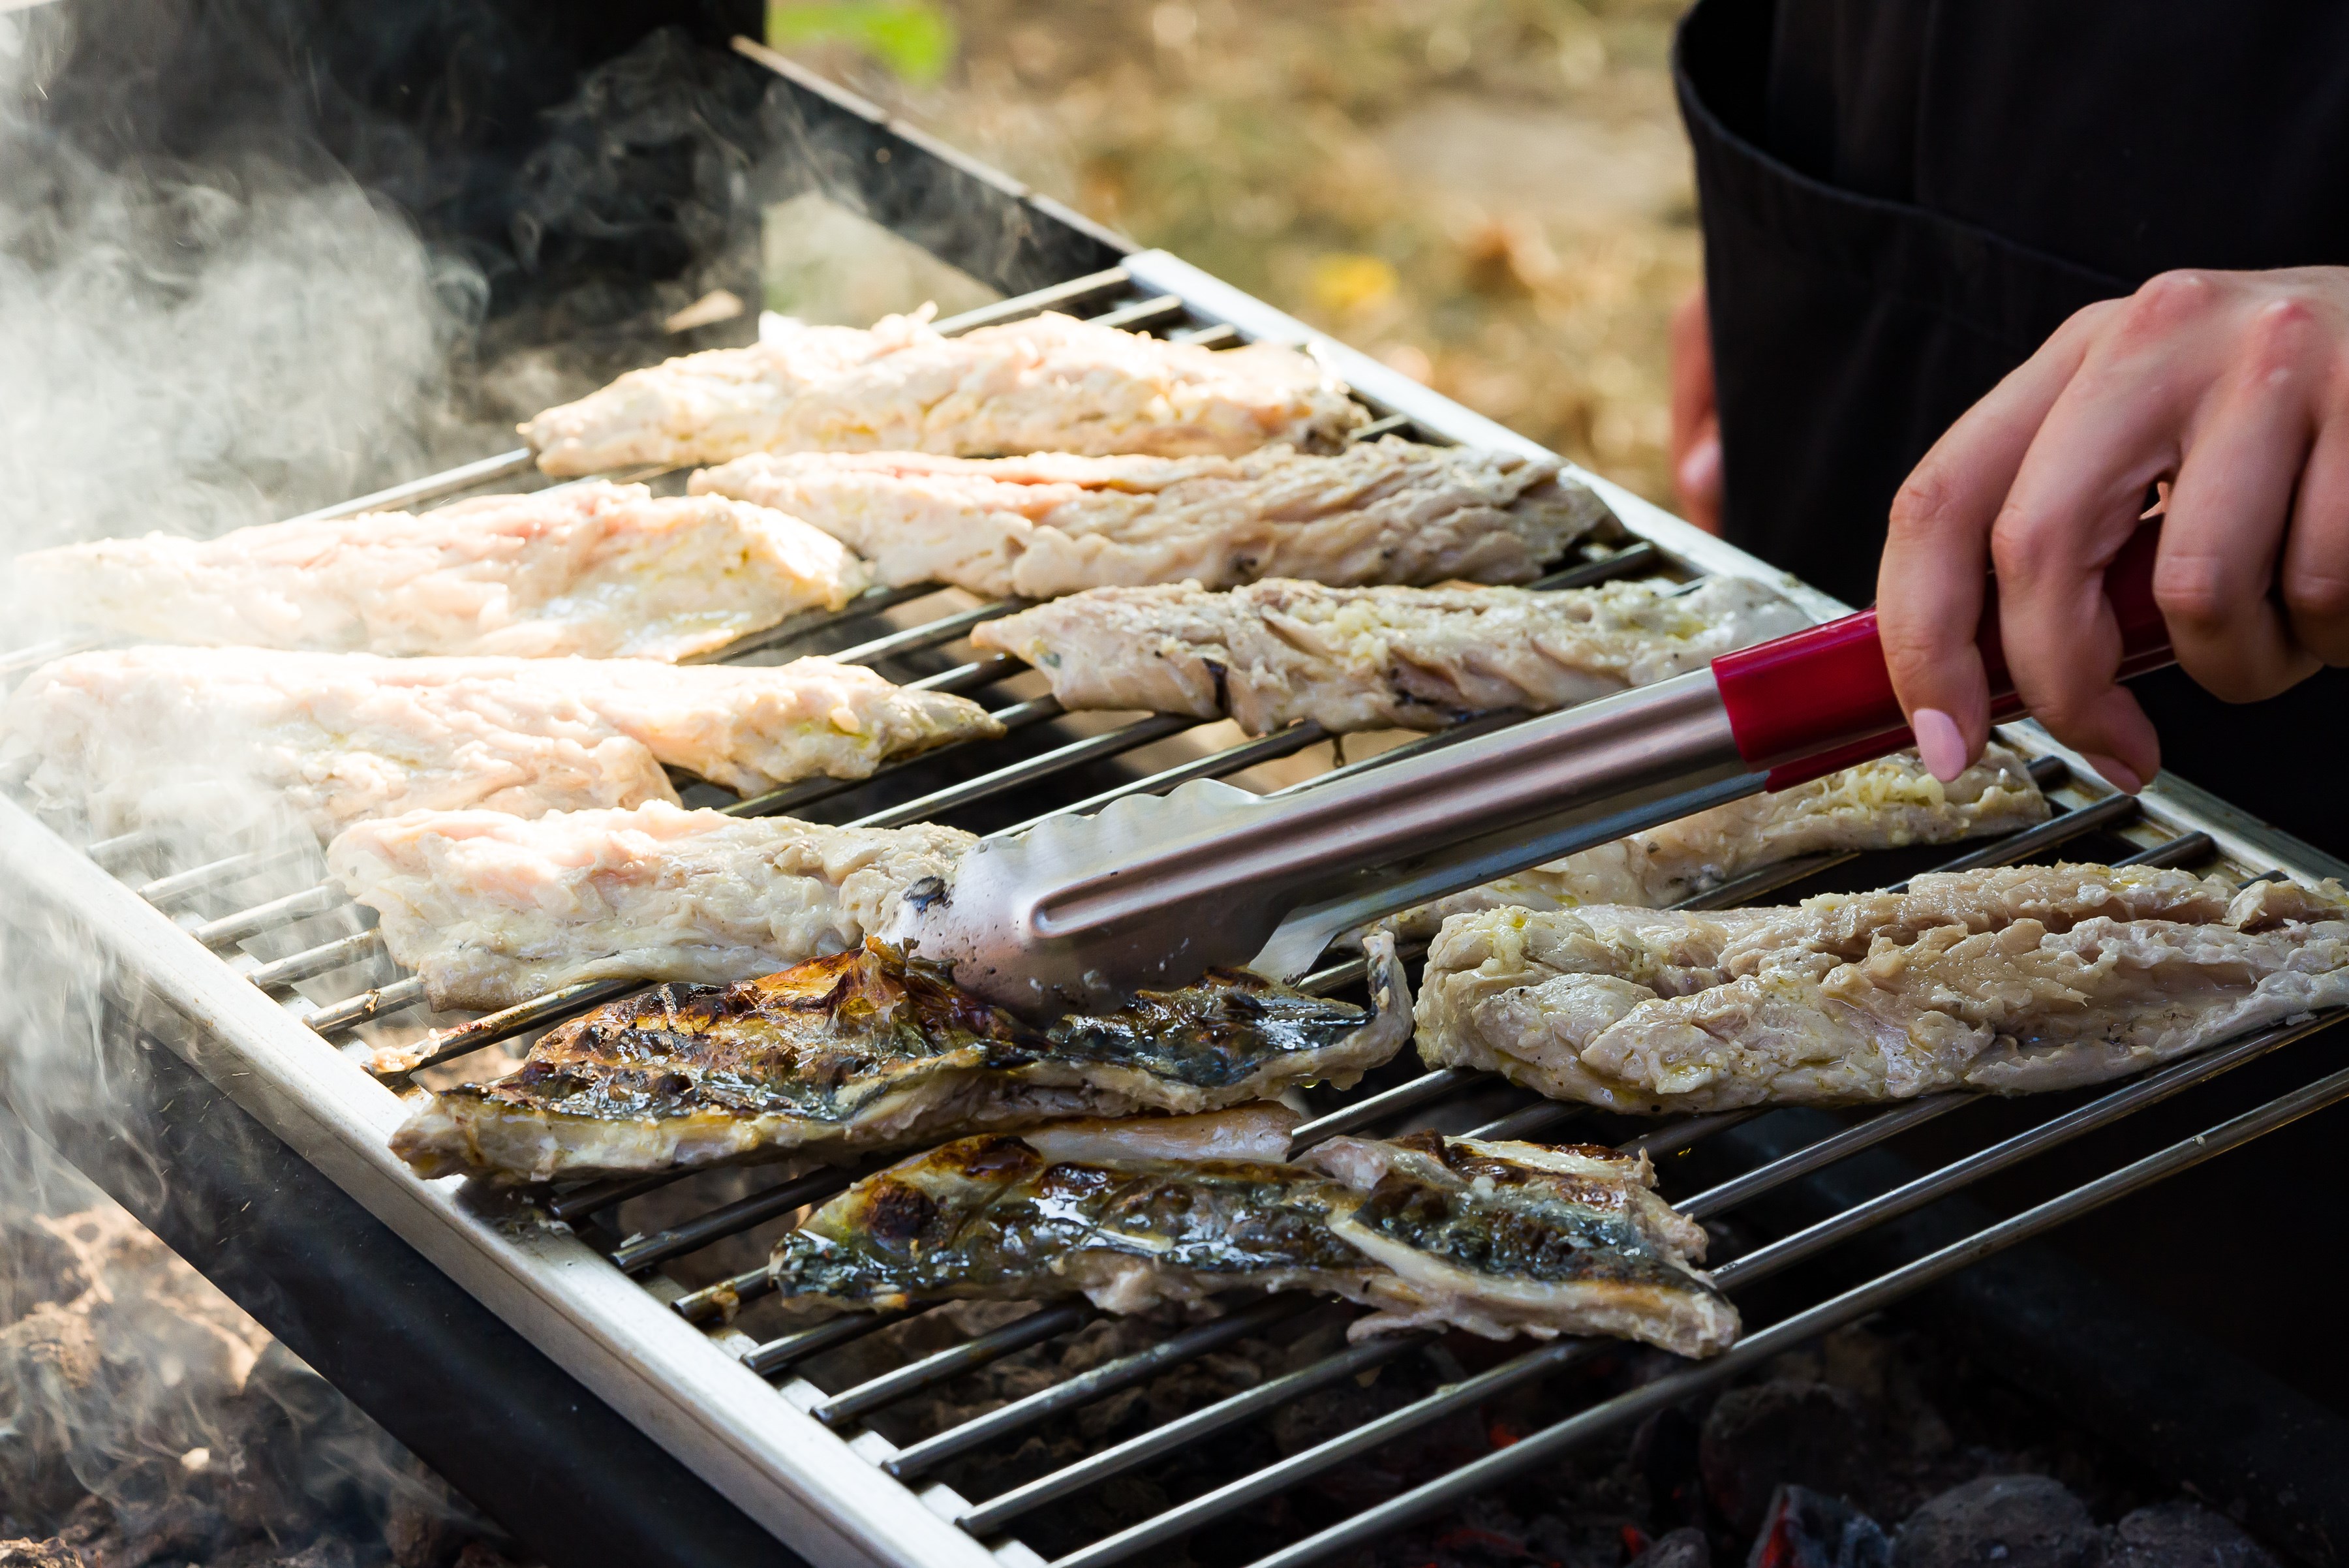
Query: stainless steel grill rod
1545, 1446
1184, 1430
1047, 1323
1014, 717
920, 1459
641, 1253
1033, 770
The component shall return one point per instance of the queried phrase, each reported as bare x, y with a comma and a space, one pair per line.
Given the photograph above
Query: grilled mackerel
863, 1050
491, 909
1881, 804
2010, 981
1498, 1239
158, 733
1050, 383
603, 570
1036, 527
1377, 658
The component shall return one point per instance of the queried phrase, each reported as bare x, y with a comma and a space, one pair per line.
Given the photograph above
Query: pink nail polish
1939, 742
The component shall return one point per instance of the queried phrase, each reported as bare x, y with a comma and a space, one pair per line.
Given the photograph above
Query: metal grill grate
1040, 759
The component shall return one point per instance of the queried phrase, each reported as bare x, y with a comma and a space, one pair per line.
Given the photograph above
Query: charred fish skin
867, 1050
990, 1217
1495, 1239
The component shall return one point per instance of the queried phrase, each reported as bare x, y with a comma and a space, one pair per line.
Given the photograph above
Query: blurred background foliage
1491, 195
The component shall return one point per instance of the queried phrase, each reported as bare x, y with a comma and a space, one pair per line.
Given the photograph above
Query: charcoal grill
262, 996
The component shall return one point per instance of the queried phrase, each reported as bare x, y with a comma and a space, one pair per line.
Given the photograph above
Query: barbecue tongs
1153, 890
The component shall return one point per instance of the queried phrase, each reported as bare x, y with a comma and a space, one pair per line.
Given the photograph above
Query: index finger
1929, 586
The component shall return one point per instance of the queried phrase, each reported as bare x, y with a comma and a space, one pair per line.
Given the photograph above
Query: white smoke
191, 347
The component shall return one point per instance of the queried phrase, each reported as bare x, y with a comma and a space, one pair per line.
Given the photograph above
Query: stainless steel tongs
1153, 891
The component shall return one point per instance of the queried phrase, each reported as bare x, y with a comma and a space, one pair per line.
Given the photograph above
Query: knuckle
2022, 542
2191, 589
2316, 596
1923, 498
2166, 299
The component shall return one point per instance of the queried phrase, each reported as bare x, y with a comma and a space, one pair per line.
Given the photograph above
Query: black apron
1902, 199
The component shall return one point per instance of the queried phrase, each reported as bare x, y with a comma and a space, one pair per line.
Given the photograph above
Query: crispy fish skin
1377, 658
602, 570
133, 733
863, 1050
491, 909
1050, 383
1881, 804
1388, 511
2015, 980
1497, 1239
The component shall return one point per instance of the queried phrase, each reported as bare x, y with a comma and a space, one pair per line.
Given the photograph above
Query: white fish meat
1050, 383
603, 570
1880, 804
1496, 1237
146, 733
1037, 528
1378, 658
491, 909
2012, 980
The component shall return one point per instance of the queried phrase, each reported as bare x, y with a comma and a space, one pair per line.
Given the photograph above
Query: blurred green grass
1492, 195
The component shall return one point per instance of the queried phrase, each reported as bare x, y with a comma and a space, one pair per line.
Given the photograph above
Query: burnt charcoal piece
2014, 1521
1683, 1548
52, 1554
2183, 1534
1806, 1529
1783, 1433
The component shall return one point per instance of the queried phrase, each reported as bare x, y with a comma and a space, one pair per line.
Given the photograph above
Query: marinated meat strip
491, 909
155, 733
1050, 383
865, 1051
2015, 979
1036, 527
1497, 1239
603, 570
1377, 658
1881, 804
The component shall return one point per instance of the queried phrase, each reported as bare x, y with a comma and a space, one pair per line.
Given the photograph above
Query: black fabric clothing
1902, 199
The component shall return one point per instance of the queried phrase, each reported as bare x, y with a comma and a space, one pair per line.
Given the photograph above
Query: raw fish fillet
603, 570
491, 909
1379, 658
1036, 527
2012, 980
1050, 383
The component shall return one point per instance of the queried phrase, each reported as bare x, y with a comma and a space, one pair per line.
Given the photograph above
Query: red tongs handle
1806, 705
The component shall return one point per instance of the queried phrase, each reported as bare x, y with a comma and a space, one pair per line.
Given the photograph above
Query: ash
144, 1418
1875, 1448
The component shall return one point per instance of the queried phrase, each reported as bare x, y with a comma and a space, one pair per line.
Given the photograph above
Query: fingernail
1939, 742
2118, 773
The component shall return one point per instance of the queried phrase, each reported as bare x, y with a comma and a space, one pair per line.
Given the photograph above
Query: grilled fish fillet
1377, 658
491, 909
861, 1050
603, 570
1881, 804
1037, 528
1498, 1239
141, 732
1051, 383
2010, 981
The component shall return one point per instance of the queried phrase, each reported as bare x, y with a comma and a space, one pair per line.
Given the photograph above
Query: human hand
1696, 422
2234, 387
